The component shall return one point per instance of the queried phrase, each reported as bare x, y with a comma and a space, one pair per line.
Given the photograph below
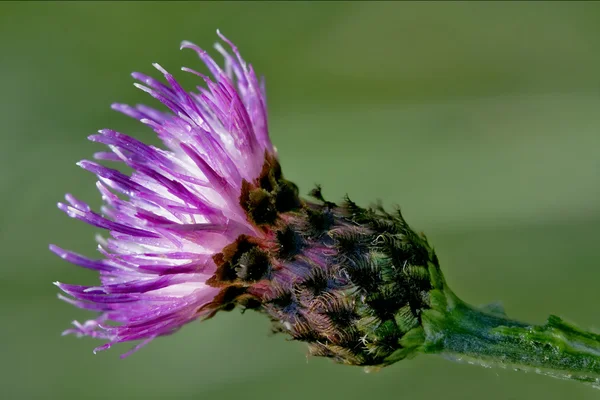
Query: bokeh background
482, 120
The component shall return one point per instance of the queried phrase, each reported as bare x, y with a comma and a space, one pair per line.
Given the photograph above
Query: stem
557, 348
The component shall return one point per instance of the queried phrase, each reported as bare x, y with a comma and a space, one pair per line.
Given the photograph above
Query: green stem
469, 334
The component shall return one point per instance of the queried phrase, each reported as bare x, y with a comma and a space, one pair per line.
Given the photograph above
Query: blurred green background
481, 119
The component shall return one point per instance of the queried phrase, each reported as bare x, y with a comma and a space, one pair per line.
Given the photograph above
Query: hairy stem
557, 349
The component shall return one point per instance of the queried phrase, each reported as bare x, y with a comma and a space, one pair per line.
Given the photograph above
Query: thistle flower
210, 224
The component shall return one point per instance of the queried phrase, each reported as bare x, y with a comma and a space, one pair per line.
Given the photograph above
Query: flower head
210, 223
